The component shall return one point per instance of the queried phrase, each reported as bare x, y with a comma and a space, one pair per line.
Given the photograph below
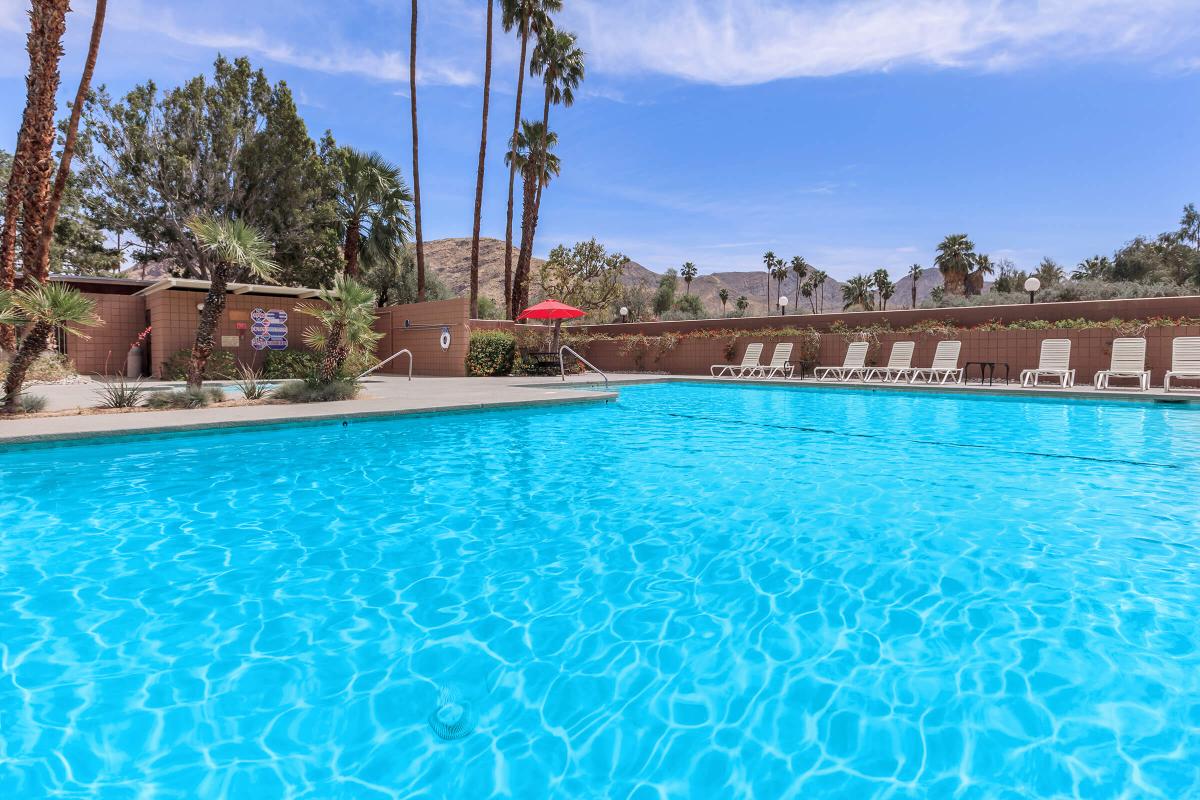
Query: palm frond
236, 243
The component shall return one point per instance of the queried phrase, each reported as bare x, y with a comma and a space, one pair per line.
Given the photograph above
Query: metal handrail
563, 368
389, 358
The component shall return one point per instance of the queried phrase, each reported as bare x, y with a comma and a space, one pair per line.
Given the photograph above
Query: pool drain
454, 718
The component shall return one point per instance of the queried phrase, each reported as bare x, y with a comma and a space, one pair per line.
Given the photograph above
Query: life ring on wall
444, 340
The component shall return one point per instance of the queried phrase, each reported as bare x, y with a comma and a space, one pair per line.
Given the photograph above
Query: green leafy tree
688, 273
664, 296
231, 247
585, 276
345, 317
914, 276
955, 259
1009, 279
689, 307
39, 309
231, 146
373, 205
857, 292
1189, 225
723, 296
394, 280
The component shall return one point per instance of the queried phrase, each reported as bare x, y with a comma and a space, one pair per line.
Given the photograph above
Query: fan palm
801, 268
955, 258
818, 281
558, 58
880, 280
857, 292
688, 273
40, 308
914, 275
742, 304
537, 167
1095, 267
769, 258
723, 296
528, 16
976, 277
234, 247
779, 273
344, 317
373, 203
473, 292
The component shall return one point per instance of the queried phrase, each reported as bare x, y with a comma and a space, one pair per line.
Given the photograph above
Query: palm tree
723, 296
857, 292
412, 90
487, 86
801, 268
29, 179
537, 168
879, 280
1049, 272
40, 308
373, 204
38, 268
233, 245
975, 278
742, 304
818, 281
688, 273
914, 274
806, 291
779, 273
345, 318
769, 260
529, 16
559, 60
1095, 268
955, 257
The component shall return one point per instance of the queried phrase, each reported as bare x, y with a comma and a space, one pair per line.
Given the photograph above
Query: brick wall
1090, 350
175, 319
105, 350
422, 335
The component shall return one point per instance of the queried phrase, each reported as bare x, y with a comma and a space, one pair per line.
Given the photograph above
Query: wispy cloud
739, 42
389, 66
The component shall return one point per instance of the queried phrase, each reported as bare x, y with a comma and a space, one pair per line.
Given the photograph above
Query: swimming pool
698, 590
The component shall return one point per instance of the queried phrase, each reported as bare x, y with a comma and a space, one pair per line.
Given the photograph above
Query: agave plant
40, 308
344, 318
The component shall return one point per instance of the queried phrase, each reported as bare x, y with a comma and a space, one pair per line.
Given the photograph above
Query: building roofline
300, 292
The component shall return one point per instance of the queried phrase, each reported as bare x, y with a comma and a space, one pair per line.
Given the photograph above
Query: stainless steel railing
389, 358
562, 367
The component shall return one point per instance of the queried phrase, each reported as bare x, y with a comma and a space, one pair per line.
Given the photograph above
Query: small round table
988, 367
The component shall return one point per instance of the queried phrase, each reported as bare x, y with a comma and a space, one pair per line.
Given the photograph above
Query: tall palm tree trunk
351, 248
33, 163
31, 347
210, 315
509, 311
520, 292
487, 85
336, 351
914, 292
40, 268
412, 88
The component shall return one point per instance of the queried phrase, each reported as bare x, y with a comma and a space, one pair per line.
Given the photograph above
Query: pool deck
389, 395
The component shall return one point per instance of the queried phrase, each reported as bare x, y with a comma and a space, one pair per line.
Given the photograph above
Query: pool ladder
562, 367
386, 360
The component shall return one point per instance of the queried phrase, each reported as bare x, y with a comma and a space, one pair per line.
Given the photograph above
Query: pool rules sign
269, 329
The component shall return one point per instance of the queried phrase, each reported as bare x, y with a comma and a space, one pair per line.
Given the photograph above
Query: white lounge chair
1053, 362
899, 363
749, 363
856, 362
944, 369
1128, 361
780, 362
1185, 360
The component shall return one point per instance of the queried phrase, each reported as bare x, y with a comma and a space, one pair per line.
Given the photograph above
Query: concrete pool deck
391, 395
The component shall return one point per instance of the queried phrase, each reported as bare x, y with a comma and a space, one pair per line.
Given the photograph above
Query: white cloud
739, 42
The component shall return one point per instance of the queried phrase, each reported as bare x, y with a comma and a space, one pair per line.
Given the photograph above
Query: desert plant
491, 353
310, 392
40, 308
185, 398
31, 403
344, 326
46, 368
289, 364
121, 394
221, 365
249, 382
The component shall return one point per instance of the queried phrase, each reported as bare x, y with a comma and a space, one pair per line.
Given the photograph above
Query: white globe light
1032, 284
783, 301
624, 311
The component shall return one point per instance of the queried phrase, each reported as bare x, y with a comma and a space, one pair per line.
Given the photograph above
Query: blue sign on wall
269, 328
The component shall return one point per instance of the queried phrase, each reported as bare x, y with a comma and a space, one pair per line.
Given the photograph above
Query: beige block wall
422, 335
107, 346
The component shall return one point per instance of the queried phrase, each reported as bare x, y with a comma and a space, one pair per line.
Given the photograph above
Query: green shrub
121, 394
222, 365
491, 353
185, 398
297, 392
32, 403
289, 364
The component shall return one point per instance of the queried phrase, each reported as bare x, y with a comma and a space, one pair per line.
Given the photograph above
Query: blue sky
855, 133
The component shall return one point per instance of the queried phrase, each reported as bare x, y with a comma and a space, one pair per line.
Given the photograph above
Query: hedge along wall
1091, 349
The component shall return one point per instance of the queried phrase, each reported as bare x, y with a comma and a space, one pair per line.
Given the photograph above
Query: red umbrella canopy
551, 309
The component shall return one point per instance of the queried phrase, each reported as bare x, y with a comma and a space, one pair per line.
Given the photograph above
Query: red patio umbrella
552, 310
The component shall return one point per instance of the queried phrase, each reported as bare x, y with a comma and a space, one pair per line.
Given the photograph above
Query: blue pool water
697, 591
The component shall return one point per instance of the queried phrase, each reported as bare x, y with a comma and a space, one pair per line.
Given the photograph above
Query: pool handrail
563, 368
402, 351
